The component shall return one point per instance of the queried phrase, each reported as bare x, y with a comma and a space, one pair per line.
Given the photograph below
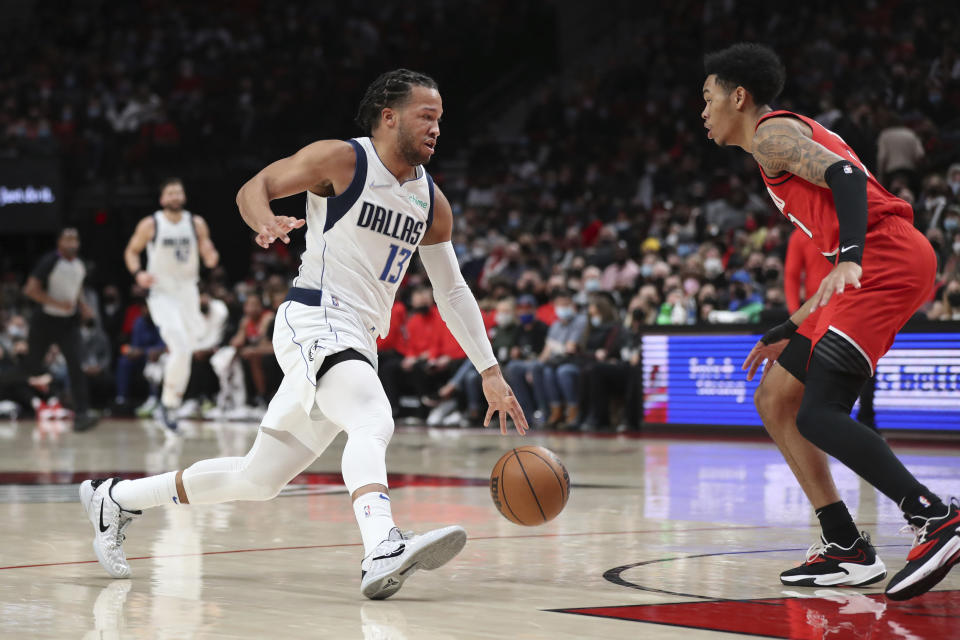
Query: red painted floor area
833, 615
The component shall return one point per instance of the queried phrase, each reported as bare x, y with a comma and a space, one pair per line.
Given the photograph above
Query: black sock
837, 525
923, 503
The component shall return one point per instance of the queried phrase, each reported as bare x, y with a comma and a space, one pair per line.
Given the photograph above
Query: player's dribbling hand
500, 398
277, 228
840, 277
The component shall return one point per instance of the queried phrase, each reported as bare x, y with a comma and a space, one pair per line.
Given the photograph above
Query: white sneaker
189, 409
146, 409
398, 557
109, 523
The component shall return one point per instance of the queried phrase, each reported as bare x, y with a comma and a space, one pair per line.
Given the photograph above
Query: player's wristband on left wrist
780, 332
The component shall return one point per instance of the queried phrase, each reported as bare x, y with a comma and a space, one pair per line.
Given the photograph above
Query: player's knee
266, 490
376, 423
769, 403
810, 420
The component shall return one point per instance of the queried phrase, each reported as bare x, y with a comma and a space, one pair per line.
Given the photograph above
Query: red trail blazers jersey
810, 207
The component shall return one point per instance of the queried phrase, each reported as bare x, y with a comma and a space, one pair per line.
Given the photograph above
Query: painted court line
357, 544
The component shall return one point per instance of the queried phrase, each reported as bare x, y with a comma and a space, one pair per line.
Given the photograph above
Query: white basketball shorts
309, 327
177, 315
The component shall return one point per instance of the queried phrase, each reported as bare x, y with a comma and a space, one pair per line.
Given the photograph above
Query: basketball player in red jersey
806, 267
883, 271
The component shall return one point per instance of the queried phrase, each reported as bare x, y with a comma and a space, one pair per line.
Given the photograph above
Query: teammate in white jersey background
176, 241
370, 205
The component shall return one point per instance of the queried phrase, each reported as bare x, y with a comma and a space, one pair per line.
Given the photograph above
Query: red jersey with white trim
810, 207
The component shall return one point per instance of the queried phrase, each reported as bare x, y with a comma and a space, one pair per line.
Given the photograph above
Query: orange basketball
529, 485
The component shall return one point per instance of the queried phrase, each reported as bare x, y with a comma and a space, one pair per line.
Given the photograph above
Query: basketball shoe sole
933, 555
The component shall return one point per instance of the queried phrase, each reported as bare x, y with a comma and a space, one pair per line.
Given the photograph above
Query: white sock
375, 519
146, 493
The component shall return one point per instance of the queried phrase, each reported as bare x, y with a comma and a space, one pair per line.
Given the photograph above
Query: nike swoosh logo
378, 186
859, 557
397, 552
845, 249
103, 528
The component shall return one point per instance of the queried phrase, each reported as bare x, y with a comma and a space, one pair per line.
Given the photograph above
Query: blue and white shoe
167, 417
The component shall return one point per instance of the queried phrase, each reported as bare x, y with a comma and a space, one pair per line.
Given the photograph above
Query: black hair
390, 89
169, 181
755, 67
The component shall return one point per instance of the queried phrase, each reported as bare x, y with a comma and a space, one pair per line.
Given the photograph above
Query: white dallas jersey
360, 242
172, 255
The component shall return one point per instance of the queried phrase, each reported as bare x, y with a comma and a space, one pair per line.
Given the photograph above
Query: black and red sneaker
936, 548
829, 564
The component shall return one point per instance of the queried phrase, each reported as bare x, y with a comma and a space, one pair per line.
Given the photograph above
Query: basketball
529, 485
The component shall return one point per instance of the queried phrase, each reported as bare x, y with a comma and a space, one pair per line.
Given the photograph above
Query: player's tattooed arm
782, 145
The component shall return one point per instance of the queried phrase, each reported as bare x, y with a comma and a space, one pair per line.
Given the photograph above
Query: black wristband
779, 332
849, 186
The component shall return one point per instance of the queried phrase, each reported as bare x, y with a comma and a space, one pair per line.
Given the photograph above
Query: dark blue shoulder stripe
193, 227
430, 187
338, 206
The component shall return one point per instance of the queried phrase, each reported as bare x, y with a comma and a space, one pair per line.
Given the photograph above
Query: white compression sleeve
457, 305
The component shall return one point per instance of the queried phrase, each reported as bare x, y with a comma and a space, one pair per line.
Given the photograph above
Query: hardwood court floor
661, 539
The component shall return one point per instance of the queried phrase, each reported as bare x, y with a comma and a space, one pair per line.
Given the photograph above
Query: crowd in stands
605, 212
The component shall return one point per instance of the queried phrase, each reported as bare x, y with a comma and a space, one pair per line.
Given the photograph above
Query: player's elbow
239, 198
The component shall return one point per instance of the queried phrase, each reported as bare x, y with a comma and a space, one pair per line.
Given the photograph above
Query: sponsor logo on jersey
390, 223
417, 201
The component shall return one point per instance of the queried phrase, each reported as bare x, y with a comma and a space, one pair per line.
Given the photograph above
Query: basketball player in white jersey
370, 205
176, 240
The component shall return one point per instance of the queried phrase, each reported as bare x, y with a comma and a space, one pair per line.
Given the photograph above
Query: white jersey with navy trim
359, 243
172, 256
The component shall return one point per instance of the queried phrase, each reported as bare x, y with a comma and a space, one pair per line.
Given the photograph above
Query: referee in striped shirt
56, 285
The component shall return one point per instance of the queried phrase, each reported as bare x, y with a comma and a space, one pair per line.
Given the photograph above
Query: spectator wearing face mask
466, 382
947, 305
528, 343
953, 180
590, 283
622, 273
545, 312
600, 345
556, 381
619, 376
